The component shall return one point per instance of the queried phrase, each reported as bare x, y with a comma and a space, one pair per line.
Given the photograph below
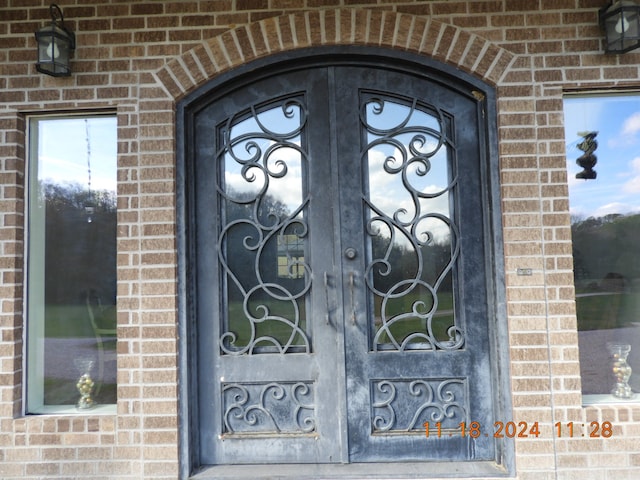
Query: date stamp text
520, 430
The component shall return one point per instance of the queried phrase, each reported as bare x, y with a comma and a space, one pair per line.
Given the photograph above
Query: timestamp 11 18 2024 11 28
521, 430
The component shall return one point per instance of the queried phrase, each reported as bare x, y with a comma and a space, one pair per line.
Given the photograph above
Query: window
71, 266
605, 223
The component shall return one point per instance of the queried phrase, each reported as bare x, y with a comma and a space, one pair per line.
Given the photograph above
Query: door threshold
387, 471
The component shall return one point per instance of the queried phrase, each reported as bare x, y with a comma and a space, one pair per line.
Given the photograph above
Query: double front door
340, 280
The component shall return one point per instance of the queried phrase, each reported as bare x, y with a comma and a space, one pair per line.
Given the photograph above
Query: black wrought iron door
340, 273
413, 270
268, 371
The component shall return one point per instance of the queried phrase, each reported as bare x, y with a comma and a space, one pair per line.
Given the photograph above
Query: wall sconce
621, 23
55, 46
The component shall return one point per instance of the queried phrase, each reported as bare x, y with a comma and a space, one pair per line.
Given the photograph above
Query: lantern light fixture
56, 44
621, 23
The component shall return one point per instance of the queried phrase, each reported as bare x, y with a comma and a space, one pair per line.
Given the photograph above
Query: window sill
73, 410
591, 400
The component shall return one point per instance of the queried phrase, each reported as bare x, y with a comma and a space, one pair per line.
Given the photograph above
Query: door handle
326, 298
352, 294
327, 288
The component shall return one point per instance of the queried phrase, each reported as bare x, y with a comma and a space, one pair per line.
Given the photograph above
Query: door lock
350, 253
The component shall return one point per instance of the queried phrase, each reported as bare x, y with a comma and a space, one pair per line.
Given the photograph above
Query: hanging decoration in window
588, 160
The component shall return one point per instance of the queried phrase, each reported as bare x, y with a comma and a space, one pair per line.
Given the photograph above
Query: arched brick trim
446, 43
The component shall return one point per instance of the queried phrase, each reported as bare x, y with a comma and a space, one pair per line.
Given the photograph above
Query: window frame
33, 377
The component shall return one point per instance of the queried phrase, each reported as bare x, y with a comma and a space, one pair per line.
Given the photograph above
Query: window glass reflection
605, 227
72, 261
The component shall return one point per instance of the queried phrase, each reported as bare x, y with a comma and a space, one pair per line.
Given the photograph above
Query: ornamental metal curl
410, 136
274, 408
384, 421
403, 406
259, 220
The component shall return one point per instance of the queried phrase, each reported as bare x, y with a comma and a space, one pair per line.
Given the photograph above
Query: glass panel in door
263, 239
408, 206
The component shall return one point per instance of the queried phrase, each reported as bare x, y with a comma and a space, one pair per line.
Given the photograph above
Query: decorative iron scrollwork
405, 405
261, 245
268, 408
408, 203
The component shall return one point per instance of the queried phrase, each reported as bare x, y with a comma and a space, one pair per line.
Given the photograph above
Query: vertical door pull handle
326, 297
351, 289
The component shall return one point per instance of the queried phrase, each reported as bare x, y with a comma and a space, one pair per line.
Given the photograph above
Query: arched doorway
341, 262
